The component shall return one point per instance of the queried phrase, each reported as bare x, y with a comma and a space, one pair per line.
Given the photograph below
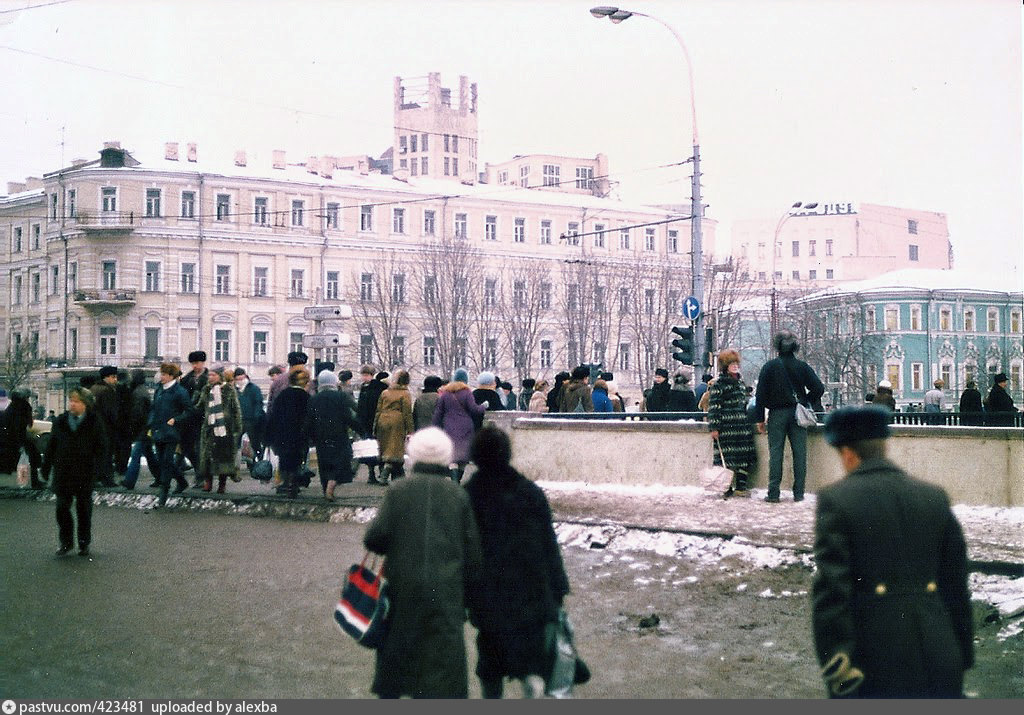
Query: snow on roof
923, 279
260, 169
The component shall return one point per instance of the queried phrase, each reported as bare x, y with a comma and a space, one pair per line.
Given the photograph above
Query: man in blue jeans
782, 383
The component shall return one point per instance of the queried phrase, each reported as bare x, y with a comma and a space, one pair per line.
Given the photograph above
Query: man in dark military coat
891, 606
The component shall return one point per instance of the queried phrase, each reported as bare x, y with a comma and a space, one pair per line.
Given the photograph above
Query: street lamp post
617, 15
775, 254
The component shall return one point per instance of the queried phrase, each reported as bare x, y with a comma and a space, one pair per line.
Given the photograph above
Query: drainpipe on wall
67, 262
201, 263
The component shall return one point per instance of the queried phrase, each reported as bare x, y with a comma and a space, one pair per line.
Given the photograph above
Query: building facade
133, 261
912, 327
836, 242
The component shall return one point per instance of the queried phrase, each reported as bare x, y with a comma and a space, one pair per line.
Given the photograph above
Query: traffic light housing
684, 343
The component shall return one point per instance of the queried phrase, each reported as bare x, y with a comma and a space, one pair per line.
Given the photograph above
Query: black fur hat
107, 371
197, 356
856, 424
297, 358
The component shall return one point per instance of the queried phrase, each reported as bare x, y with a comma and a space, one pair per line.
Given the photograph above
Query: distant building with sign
838, 242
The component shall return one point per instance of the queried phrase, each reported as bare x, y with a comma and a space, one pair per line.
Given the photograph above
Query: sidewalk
995, 535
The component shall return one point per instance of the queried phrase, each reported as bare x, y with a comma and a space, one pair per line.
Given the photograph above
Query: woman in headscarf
284, 429
392, 426
539, 398
220, 429
459, 415
523, 582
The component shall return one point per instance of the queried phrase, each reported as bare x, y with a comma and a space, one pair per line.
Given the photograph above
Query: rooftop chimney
240, 159
192, 152
111, 145
171, 151
15, 187
313, 165
279, 159
33, 182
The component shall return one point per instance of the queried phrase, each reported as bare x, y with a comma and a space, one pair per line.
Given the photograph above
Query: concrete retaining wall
975, 465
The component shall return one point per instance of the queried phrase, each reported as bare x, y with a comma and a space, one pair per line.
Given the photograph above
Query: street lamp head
811, 206
619, 16
603, 11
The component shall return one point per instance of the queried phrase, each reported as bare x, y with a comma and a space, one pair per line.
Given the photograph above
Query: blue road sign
691, 308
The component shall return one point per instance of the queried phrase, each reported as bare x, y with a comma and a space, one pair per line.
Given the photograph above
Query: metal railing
948, 419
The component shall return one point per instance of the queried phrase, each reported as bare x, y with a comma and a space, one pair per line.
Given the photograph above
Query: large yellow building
132, 259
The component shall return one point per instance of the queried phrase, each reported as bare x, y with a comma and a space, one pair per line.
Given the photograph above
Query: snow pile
703, 552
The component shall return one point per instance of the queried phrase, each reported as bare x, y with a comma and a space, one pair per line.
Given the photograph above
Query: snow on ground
1005, 594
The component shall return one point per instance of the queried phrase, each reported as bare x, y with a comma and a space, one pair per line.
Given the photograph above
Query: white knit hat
431, 446
326, 378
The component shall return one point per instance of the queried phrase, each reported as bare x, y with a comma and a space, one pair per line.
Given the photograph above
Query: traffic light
685, 344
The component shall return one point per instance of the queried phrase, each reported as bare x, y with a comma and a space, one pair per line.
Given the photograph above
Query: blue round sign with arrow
691, 308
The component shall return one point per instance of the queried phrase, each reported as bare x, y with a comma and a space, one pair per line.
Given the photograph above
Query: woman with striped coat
729, 424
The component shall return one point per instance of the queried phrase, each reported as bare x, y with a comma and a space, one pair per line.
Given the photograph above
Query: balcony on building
105, 221
105, 299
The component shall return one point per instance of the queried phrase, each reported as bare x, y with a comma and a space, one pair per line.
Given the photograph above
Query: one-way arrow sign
327, 312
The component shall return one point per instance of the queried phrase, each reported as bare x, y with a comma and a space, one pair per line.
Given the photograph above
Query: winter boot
221, 481
373, 478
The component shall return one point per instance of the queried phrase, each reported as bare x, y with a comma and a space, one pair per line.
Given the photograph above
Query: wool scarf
215, 413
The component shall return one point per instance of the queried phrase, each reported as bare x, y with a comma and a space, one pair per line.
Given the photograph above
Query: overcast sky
909, 103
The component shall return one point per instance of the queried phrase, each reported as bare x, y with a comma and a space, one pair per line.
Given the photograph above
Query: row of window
551, 175
947, 372
262, 215
913, 251
892, 319
224, 349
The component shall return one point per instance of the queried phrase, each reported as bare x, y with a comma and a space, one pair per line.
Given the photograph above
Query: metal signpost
318, 341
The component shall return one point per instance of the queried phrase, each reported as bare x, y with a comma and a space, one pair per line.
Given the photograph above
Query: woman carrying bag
523, 582
729, 424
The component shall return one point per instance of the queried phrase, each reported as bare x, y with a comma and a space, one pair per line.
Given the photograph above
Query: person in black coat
999, 406
555, 393
523, 583
330, 415
78, 444
681, 397
782, 383
15, 422
140, 403
366, 410
193, 383
890, 601
285, 433
971, 411
172, 409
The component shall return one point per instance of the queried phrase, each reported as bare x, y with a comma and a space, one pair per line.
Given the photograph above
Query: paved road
180, 603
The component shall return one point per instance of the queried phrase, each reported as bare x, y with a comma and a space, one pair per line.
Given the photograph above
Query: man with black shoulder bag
783, 386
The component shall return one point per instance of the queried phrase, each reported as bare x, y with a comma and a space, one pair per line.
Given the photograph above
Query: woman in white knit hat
426, 531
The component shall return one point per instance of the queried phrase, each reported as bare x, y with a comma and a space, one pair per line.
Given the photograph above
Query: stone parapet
975, 465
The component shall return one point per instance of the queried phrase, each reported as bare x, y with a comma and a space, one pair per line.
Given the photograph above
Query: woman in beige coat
392, 425
539, 399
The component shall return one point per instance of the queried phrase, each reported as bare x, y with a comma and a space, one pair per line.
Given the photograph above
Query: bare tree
521, 311
731, 296
835, 344
18, 364
447, 273
381, 300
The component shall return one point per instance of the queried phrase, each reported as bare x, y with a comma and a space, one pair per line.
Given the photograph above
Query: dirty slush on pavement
716, 591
